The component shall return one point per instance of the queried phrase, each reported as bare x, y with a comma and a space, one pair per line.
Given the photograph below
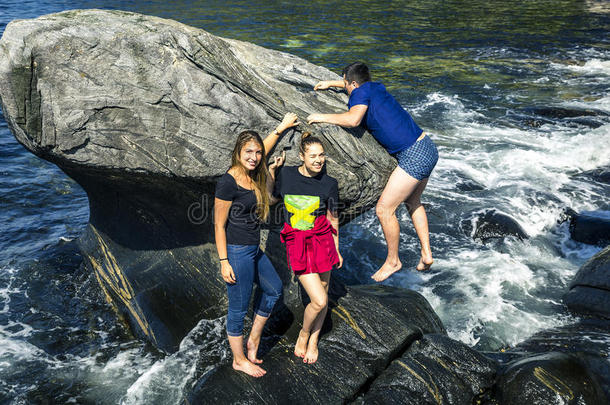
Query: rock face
143, 113
589, 292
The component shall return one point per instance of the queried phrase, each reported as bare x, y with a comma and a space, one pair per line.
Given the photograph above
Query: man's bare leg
312, 284
420, 222
399, 187
240, 362
255, 338
311, 356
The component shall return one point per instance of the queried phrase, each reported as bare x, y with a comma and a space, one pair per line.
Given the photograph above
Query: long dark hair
258, 175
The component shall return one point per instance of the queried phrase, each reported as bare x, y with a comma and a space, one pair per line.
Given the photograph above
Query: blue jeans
250, 265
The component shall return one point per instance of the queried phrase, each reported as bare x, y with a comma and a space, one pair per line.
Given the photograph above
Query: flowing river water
496, 83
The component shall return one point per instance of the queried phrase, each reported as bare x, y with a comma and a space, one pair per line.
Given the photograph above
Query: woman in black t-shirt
311, 235
241, 203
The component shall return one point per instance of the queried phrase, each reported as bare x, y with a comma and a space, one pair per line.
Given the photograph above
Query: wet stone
591, 228
589, 291
492, 224
366, 328
548, 378
434, 370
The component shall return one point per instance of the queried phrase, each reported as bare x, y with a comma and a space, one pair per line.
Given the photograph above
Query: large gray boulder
143, 113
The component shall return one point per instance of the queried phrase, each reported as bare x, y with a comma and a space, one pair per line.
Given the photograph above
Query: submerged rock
492, 224
434, 370
561, 112
601, 174
367, 327
589, 291
143, 113
590, 228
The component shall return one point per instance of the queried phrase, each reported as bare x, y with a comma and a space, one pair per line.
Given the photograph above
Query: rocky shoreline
143, 112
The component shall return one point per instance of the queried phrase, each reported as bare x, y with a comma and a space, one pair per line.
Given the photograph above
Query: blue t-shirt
389, 123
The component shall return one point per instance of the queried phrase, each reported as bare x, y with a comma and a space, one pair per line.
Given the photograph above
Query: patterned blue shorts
419, 159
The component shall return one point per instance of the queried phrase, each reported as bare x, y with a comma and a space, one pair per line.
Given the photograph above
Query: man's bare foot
252, 347
249, 368
312, 352
300, 348
386, 270
425, 261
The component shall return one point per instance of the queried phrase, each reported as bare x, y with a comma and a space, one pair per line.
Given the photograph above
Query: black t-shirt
243, 224
305, 198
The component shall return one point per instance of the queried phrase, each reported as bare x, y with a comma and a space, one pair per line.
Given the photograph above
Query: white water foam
166, 380
591, 67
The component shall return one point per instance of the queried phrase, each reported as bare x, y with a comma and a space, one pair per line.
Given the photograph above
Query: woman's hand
290, 120
278, 161
227, 272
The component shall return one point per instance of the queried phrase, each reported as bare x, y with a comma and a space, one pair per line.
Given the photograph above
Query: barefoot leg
240, 362
255, 338
300, 348
399, 187
312, 283
311, 356
420, 222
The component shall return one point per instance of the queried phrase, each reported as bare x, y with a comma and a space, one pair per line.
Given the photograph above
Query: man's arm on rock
348, 119
325, 84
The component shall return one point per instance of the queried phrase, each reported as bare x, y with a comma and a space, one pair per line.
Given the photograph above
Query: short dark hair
356, 72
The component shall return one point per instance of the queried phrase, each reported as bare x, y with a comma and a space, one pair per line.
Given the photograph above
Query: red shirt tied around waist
313, 250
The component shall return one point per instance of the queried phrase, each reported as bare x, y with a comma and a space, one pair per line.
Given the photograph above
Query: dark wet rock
469, 185
143, 113
368, 327
560, 112
590, 228
492, 224
548, 378
587, 340
434, 370
589, 291
601, 174
574, 117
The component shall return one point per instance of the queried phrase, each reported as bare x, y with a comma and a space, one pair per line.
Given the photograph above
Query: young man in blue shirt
372, 106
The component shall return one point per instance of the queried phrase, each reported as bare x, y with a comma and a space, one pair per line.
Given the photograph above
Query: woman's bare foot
387, 270
249, 368
312, 352
425, 261
252, 348
300, 348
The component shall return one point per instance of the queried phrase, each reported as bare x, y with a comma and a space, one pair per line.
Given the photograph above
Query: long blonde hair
258, 175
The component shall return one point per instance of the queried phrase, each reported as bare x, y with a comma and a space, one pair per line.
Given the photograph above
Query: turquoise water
477, 75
